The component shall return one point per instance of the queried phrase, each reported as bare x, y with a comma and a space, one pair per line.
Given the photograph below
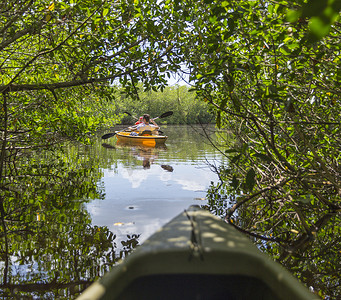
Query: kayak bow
198, 256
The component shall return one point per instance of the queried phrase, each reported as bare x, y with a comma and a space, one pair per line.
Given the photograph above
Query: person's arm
134, 127
154, 123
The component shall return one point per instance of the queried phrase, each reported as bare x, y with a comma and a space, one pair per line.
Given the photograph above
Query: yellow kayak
131, 138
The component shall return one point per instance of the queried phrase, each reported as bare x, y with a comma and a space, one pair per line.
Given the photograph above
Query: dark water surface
84, 208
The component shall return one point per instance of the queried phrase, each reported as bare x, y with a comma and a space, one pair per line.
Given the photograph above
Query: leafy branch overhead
268, 70
70, 44
61, 62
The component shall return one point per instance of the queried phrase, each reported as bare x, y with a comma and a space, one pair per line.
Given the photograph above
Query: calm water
83, 208
146, 187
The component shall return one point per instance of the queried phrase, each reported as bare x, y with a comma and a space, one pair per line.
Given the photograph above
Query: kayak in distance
147, 139
198, 256
123, 134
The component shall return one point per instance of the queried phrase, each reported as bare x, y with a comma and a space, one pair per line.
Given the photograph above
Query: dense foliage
268, 70
277, 87
50, 49
179, 99
57, 60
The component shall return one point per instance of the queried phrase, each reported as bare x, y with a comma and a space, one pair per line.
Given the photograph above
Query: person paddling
145, 125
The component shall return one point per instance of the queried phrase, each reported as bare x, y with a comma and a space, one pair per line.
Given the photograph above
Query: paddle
129, 114
108, 135
164, 115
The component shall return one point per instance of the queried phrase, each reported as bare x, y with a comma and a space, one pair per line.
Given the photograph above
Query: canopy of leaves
57, 60
268, 70
49, 49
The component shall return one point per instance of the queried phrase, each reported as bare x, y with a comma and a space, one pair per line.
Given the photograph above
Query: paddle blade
166, 114
108, 135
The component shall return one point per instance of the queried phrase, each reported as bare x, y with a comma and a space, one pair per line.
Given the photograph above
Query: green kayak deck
198, 256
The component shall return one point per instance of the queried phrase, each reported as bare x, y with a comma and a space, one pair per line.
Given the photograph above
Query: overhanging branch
73, 83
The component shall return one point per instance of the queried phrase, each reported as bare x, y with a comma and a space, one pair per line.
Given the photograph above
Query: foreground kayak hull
146, 140
197, 256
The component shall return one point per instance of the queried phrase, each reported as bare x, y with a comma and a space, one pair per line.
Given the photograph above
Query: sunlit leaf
105, 12
51, 6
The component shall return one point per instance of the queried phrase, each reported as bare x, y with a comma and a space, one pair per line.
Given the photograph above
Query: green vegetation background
179, 99
269, 71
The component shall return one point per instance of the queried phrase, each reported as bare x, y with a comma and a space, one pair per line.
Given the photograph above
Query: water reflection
108, 146
142, 153
167, 168
48, 247
145, 198
146, 155
58, 209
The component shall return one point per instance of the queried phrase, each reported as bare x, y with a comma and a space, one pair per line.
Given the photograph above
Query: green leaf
293, 15
306, 198
234, 182
250, 179
231, 151
105, 11
318, 27
263, 157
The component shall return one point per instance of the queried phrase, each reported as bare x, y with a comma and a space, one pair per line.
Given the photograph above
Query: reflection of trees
184, 143
129, 245
48, 247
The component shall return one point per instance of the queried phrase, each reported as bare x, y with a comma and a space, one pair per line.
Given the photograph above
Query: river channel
85, 207
146, 187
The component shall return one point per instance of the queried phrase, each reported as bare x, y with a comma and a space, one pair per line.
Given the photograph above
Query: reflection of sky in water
144, 200
181, 175
140, 200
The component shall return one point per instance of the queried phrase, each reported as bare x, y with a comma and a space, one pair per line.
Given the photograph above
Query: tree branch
7, 87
